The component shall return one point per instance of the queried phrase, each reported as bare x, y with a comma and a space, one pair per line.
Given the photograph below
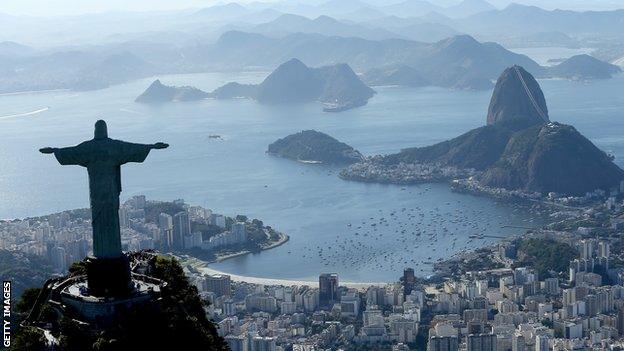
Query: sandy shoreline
202, 267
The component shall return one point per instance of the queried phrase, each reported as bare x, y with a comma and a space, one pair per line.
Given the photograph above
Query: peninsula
520, 152
157, 92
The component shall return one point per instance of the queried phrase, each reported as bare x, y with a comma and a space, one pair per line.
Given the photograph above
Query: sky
76, 7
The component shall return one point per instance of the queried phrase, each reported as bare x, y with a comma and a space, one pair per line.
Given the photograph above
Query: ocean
364, 232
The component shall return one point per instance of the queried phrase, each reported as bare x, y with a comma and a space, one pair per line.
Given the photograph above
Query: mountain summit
517, 95
291, 82
336, 86
518, 149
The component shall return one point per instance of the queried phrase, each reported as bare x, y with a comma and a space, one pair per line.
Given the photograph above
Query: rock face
517, 95
517, 150
314, 147
158, 92
584, 67
342, 87
477, 149
553, 158
336, 86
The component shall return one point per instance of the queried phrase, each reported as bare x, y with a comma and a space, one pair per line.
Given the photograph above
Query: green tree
31, 339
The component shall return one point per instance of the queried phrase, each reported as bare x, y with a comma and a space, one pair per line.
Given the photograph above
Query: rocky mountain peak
517, 95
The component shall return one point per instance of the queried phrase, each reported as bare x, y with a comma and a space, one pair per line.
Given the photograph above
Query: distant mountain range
325, 25
478, 18
77, 70
521, 19
411, 35
459, 62
345, 8
336, 86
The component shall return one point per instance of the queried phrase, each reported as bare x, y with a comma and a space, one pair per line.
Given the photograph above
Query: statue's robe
103, 158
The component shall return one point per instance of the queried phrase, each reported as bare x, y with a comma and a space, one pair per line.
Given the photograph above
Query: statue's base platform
109, 277
74, 297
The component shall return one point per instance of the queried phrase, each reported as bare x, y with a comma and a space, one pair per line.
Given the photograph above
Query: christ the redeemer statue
103, 158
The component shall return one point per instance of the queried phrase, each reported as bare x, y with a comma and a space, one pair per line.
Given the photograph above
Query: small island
310, 146
157, 92
337, 87
584, 67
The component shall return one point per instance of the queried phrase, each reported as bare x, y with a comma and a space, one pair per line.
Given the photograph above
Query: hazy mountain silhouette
584, 67
158, 93
294, 82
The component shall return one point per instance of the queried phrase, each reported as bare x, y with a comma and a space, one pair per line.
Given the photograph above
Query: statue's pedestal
109, 277
99, 296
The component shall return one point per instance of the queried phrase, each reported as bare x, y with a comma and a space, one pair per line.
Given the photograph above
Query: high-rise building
239, 231
237, 342
587, 248
350, 303
259, 343
409, 280
569, 296
481, 342
551, 286
443, 343
59, 259
218, 220
288, 307
328, 289
518, 343
165, 224
592, 306
220, 284
620, 320
373, 317
123, 217
193, 240
229, 307
604, 249
181, 227
310, 300
542, 342
260, 302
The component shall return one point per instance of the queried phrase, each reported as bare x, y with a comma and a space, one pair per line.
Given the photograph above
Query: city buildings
328, 289
181, 228
220, 284
64, 238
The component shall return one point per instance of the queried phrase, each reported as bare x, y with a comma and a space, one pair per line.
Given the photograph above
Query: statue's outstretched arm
73, 155
47, 150
132, 152
160, 145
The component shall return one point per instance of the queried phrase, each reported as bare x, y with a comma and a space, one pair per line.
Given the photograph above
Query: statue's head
101, 131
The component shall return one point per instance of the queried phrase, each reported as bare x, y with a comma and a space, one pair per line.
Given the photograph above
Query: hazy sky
73, 7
